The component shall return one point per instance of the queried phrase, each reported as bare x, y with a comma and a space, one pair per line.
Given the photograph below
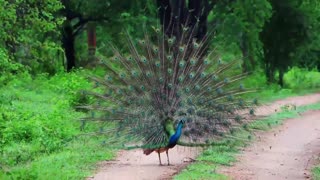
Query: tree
238, 24
285, 36
252, 16
78, 14
29, 30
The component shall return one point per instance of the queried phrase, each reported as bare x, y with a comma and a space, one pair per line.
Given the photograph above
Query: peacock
167, 90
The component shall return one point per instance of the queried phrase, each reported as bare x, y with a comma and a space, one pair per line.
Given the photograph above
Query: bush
7, 68
298, 78
37, 115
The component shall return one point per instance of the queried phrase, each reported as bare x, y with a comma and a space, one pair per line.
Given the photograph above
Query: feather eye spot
171, 41
181, 78
129, 58
241, 86
241, 102
195, 45
144, 60
191, 75
134, 74
203, 75
238, 118
181, 64
197, 87
154, 90
116, 58
148, 74
155, 49
131, 88
122, 75
187, 90
157, 64
251, 112
206, 61
189, 101
193, 62
142, 42
219, 91
169, 57
214, 77
108, 78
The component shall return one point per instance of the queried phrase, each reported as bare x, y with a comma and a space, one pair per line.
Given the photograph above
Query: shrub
298, 78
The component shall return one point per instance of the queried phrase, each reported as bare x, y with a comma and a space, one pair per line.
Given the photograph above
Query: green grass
39, 129
316, 172
224, 155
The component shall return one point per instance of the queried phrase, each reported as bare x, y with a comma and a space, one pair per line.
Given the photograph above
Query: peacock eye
195, 45
182, 63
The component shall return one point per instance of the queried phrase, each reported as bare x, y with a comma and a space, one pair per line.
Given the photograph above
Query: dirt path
134, 165
286, 152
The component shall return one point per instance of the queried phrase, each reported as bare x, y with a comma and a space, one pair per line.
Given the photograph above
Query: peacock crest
163, 80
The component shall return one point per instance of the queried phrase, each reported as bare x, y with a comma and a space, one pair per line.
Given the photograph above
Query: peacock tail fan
163, 77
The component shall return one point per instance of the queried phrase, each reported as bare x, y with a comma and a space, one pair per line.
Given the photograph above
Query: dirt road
135, 165
286, 152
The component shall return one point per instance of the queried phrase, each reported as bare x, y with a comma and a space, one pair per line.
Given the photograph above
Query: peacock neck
176, 135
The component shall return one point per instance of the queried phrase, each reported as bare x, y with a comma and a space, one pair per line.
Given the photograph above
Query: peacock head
182, 121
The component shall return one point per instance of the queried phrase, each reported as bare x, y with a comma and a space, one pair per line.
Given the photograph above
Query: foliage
39, 127
7, 68
238, 25
29, 32
316, 172
289, 35
298, 78
108, 16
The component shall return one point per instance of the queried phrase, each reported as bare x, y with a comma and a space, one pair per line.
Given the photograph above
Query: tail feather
173, 78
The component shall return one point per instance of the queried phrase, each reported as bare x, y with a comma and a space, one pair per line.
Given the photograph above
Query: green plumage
169, 127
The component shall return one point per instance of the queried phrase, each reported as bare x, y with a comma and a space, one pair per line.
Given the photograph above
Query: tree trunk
68, 40
248, 60
91, 35
281, 74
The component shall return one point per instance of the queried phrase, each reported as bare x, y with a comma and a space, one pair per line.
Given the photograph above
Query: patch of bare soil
134, 165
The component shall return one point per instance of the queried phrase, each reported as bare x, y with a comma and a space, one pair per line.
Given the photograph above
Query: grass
316, 172
39, 129
224, 155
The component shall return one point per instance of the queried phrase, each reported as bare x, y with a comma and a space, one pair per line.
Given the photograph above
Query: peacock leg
159, 159
168, 156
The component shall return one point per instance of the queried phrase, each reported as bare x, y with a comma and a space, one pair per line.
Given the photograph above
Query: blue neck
175, 137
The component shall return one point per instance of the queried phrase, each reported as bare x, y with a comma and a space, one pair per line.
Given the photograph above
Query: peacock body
166, 91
